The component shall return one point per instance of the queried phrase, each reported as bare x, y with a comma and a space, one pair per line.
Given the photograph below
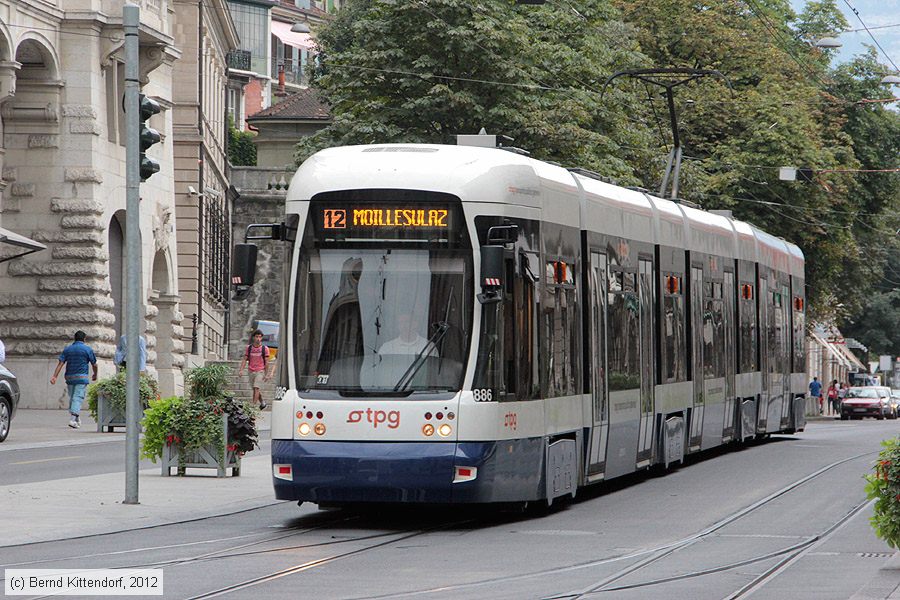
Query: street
782, 518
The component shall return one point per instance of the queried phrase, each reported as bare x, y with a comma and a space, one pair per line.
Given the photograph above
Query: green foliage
394, 71
157, 424
241, 149
425, 72
883, 486
879, 326
113, 388
195, 421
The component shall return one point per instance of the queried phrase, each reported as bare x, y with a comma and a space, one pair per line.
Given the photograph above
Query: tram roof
498, 176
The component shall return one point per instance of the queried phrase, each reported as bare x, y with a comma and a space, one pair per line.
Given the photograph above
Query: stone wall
261, 200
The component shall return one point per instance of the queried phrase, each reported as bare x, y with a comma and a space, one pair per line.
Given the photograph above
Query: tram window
673, 347
799, 324
622, 341
559, 351
713, 339
748, 330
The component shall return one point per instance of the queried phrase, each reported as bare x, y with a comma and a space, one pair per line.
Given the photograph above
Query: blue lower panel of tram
506, 471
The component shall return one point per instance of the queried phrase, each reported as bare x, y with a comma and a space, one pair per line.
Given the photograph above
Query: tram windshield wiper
440, 330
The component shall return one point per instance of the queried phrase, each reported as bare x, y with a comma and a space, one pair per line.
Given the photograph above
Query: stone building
63, 184
205, 35
281, 126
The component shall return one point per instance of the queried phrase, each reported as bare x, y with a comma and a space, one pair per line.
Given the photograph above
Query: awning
835, 353
19, 241
292, 38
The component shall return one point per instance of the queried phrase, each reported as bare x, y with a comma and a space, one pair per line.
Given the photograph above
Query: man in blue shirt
78, 358
122, 353
815, 390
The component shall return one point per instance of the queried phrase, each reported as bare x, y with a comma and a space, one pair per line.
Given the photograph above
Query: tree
780, 111
399, 71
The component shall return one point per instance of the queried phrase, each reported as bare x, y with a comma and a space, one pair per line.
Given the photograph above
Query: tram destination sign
351, 220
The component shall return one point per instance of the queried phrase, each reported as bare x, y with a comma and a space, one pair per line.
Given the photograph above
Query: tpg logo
375, 417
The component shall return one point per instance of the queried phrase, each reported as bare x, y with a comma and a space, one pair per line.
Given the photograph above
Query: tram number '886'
483, 395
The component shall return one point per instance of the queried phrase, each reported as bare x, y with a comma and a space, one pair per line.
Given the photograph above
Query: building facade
63, 184
205, 35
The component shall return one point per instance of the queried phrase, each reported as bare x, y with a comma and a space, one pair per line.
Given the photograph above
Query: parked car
9, 400
868, 401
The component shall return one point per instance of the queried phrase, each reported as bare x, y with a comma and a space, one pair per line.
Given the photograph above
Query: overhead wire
866, 27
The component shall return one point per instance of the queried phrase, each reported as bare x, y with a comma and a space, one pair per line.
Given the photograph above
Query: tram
469, 325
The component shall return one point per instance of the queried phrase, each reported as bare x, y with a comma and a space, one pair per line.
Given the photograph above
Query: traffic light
149, 136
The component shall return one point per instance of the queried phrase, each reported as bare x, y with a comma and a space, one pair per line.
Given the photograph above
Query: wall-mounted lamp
300, 28
891, 80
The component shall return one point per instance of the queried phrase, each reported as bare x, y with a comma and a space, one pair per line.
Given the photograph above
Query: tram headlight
319, 428
427, 429
303, 429
445, 430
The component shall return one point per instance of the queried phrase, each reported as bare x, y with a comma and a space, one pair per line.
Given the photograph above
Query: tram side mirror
492, 273
243, 268
502, 235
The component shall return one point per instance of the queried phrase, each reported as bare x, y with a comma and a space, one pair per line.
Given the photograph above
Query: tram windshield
382, 321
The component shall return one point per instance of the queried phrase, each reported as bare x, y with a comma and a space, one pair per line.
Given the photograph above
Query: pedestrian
259, 369
122, 353
78, 359
833, 397
2, 352
815, 391
842, 393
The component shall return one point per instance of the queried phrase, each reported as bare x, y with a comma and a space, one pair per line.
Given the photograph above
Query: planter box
108, 417
202, 458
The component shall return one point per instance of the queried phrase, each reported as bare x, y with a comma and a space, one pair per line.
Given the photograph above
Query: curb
886, 584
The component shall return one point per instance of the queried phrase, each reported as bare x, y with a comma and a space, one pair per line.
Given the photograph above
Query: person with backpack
256, 357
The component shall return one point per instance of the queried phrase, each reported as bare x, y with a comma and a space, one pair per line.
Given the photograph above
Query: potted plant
205, 429
884, 487
106, 399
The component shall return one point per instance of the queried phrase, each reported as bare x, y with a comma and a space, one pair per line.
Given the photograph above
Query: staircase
239, 387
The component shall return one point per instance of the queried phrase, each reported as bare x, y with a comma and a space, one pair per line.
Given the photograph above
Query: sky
875, 14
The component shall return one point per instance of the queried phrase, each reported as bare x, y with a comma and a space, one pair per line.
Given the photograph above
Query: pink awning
298, 40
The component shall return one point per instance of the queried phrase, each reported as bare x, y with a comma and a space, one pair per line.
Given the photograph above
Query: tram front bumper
398, 472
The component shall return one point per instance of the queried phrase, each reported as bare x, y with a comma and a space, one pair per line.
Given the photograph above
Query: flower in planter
113, 389
884, 487
195, 421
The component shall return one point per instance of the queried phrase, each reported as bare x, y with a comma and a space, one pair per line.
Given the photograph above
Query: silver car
9, 400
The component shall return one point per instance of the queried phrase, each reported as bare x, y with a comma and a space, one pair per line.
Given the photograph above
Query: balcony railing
238, 59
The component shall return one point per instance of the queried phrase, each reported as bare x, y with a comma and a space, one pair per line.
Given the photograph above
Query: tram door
764, 357
648, 368
600, 407
786, 397
697, 357
728, 313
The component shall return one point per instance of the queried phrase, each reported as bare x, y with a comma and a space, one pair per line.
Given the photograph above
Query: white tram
469, 325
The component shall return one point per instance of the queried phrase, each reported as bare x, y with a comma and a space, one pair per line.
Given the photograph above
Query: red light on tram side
798, 303
747, 291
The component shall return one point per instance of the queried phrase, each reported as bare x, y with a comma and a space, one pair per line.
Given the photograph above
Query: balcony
239, 60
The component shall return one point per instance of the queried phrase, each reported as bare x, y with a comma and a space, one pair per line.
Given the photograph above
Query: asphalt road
57, 462
785, 518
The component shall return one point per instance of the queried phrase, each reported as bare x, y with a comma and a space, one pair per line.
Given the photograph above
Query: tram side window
749, 334
559, 351
673, 346
799, 341
623, 342
713, 331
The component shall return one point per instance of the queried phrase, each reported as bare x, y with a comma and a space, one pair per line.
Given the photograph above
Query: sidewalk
43, 510
885, 585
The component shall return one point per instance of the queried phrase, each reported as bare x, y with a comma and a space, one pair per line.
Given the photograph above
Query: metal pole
131, 18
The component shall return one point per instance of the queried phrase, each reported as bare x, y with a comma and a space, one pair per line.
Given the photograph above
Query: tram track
399, 537
664, 552
653, 555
